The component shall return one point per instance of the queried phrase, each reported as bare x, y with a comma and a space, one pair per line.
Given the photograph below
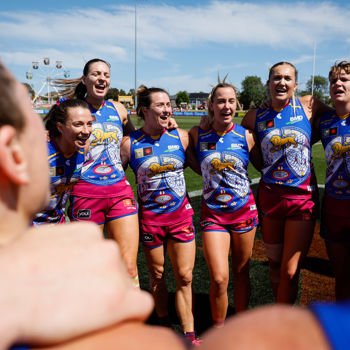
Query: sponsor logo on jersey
235, 146
113, 117
172, 148
330, 132
266, 124
143, 152
147, 237
295, 119
84, 214
253, 207
188, 206
207, 146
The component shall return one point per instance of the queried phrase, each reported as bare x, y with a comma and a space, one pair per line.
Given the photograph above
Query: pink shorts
240, 227
275, 206
155, 236
101, 210
335, 223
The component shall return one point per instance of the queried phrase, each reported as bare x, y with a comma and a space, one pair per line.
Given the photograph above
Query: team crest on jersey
330, 132
207, 146
56, 171
143, 152
266, 124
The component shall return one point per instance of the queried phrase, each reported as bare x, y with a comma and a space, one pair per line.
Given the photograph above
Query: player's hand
63, 281
172, 124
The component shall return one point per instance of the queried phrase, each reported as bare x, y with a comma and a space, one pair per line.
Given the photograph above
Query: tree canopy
182, 96
253, 92
320, 88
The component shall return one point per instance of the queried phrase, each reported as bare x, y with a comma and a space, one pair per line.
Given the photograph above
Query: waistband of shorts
85, 189
147, 217
287, 191
248, 211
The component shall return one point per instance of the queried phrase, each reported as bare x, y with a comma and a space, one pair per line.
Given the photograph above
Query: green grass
261, 291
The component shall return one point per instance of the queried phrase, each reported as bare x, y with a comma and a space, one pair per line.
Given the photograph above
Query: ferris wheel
42, 73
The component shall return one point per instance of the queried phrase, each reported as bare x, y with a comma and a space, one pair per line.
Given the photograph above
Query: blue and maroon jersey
285, 139
224, 159
158, 164
64, 172
103, 165
335, 137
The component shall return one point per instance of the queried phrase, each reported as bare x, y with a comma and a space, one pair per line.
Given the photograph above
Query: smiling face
158, 113
97, 82
281, 84
223, 107
76, 130
33, 140
339, 88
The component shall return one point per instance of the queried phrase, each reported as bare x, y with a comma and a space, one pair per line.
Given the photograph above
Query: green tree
253, 92
182, 96
320, 88
112, 94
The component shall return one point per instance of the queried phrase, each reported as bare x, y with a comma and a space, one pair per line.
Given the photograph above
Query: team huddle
91, 142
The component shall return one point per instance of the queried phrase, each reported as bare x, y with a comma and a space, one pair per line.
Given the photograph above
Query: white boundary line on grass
253, 182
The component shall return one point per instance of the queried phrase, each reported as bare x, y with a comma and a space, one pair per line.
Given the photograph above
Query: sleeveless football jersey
285, 139
223, 159
335, 137
64, 172
158, 164
103, 165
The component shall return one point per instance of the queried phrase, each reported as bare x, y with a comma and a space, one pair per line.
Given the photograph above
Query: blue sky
181, 45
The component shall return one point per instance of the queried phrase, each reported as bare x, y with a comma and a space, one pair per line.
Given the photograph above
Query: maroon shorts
101, 210
155, 236
274, 205
240, 227
335, 223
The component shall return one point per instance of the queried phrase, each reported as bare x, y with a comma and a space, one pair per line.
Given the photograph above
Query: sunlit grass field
261, 292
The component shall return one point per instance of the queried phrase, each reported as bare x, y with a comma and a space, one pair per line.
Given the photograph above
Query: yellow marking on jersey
53, 155
142, 136
158, 169
205, 133
218, 166
328, 120
234, 132
339, 150
174, 136
278, 142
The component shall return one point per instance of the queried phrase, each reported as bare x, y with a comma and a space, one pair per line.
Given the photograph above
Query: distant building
198, 99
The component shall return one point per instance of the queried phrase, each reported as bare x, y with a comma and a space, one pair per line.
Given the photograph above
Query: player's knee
220, 280
157, 272
185, 277
274, 252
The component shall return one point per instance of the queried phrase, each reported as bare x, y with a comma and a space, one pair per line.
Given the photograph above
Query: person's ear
59, 127
296, 86
12, 158
144, 110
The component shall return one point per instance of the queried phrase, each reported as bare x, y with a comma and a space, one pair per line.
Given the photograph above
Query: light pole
135, 99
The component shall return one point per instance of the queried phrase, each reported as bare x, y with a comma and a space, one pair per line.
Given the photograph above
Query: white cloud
78, 34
